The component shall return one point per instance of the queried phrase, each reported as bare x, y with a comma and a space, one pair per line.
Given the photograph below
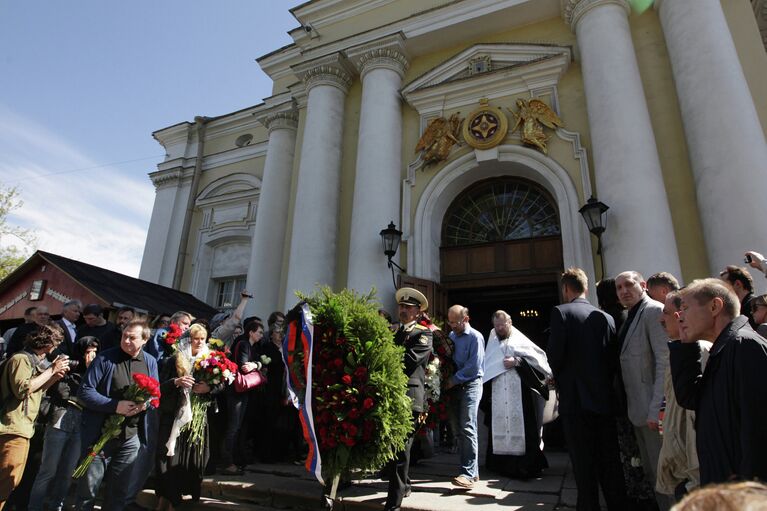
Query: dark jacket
94, 395
583, 354
728, 400
67, 345
417, 340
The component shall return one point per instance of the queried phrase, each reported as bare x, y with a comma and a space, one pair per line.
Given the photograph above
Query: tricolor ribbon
299, 339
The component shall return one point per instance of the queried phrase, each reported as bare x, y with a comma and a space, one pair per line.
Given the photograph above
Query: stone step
286, 486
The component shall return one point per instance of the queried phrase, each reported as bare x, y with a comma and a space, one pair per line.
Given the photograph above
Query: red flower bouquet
171, 336
143, 389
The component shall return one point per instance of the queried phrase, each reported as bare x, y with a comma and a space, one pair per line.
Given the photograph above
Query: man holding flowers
417, 341
112, 377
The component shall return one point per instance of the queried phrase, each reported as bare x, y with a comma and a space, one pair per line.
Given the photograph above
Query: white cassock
508, 421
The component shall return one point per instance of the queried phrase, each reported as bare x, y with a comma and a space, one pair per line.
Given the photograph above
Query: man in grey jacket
643, 360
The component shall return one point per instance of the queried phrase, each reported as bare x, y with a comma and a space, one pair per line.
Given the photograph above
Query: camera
747, 259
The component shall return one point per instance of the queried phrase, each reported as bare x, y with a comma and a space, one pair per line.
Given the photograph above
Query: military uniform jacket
417, 340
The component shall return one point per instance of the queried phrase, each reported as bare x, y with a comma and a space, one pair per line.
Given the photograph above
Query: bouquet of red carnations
143, 389
213, 368
170, 337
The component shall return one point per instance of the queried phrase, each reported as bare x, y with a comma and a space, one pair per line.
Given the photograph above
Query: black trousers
592, 441
397, 470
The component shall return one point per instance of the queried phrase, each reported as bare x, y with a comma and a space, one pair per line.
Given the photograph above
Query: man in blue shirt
469, 357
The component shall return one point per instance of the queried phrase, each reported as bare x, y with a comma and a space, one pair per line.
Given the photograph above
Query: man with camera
23, 380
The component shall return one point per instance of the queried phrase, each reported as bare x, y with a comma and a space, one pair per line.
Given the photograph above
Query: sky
84, 83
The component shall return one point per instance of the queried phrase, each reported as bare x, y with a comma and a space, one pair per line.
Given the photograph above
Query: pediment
490, 70
230, 188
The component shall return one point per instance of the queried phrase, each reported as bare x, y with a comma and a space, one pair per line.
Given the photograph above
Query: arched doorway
501, 248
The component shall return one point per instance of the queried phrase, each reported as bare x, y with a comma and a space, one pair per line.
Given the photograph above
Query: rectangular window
36, 293
228, 292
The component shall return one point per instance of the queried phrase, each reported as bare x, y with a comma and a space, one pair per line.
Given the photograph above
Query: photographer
61, 448
22, 384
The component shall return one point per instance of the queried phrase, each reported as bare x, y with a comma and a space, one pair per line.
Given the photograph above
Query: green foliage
350, 322
11, 256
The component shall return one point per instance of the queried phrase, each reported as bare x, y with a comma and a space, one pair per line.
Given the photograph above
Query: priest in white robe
515, 389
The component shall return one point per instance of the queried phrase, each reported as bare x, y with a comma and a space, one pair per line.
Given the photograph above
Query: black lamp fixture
593, 213
390, 238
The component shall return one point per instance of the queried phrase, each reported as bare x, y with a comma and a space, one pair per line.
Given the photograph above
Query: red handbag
244, 382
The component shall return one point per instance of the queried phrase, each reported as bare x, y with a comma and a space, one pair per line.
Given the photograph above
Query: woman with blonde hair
180, 461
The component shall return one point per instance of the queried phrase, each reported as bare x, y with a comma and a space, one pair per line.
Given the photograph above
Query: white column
639, 235
265, 269
164, 234
315, 216
379, 166
725, 140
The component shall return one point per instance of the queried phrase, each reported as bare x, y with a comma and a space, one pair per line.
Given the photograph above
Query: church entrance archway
501, 248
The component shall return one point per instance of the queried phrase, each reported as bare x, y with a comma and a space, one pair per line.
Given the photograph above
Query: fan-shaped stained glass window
500, 210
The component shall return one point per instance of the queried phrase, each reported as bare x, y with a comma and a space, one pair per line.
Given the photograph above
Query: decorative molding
408, 184
574, 10
331, 70
479, 16
164, 178
580, 155
211, 161
528, 68
388, 53
425, 233
319, 14
280, 120
760, 12
233, 186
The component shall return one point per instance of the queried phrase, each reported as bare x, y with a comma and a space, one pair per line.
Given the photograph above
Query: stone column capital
574, 10
280, 120
330, 70
166, 177
386, 53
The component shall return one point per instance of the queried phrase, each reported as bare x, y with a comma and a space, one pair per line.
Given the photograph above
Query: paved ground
286, 486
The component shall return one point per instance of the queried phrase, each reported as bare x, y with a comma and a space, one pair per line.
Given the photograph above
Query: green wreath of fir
361, 411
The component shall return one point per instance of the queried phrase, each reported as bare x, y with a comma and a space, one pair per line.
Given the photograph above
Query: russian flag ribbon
297, 353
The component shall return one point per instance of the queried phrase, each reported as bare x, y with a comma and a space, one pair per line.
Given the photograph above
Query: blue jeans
61, 452
115, 464
145, 459
468, 441
236, 406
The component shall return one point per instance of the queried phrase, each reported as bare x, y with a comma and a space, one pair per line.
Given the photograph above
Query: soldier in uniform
417, 340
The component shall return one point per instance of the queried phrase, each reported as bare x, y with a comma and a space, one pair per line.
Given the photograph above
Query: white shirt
71, 327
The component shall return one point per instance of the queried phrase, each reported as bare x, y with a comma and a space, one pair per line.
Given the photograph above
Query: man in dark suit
417, 340
583, 355
70, 313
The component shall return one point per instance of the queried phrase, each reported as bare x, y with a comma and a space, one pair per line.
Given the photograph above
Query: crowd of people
64, 381
656, 389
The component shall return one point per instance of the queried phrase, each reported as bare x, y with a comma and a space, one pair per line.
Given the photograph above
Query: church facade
479, 128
